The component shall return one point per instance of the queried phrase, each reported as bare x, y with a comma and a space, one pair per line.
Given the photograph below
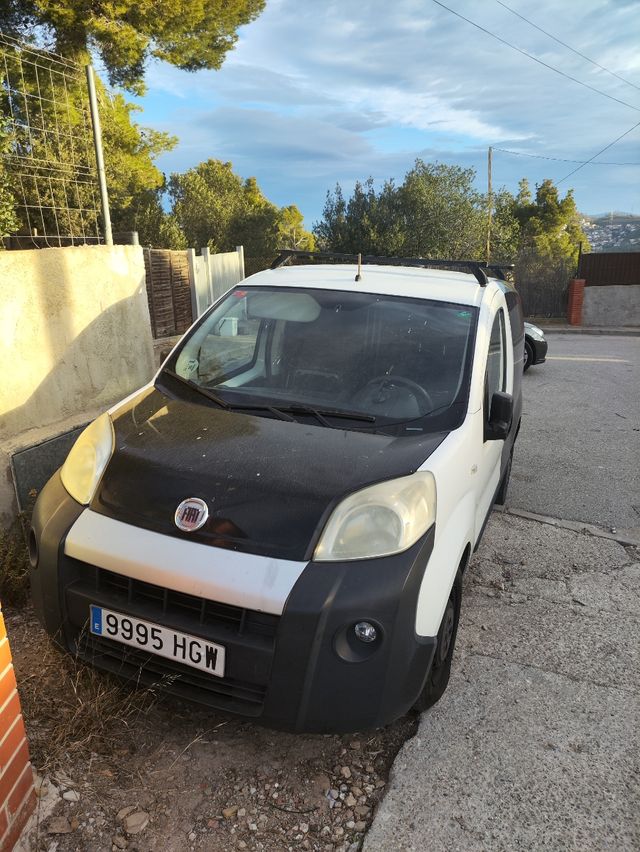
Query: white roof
419, 283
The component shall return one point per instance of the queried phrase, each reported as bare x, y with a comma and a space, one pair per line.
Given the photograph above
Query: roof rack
475, 267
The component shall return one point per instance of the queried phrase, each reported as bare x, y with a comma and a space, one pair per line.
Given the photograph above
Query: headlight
534, 331
87, 460
380, 520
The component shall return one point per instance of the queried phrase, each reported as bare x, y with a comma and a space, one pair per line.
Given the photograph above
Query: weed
70, 708
14, 561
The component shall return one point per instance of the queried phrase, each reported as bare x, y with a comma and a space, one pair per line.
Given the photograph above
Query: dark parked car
535, 345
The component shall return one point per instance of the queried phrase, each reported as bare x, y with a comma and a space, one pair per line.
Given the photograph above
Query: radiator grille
172, 677
203, 611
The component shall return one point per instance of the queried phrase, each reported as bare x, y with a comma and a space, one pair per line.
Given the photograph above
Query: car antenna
358, 274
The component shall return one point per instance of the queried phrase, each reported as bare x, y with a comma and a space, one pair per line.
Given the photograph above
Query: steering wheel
417, 391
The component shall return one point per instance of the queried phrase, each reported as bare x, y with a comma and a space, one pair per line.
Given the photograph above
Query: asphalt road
578, 453
534, 745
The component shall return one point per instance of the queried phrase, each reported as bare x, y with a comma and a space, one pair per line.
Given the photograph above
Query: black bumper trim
313, 688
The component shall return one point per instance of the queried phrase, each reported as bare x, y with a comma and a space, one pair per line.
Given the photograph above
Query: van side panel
457, 464
452, 465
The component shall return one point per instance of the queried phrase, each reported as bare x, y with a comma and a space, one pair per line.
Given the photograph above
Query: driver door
498, 377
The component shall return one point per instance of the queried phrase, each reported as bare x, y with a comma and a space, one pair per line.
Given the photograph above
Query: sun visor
292, 307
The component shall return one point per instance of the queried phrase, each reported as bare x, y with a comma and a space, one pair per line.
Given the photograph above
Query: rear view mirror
500, 417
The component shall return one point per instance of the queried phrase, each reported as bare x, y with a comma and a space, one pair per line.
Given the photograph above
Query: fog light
365, 632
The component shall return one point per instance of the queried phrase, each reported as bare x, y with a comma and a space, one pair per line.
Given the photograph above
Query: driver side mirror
500, 417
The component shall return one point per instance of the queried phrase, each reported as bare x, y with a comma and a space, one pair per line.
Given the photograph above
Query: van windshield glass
401, 361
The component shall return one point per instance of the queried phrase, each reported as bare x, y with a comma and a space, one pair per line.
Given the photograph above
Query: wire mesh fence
46, 143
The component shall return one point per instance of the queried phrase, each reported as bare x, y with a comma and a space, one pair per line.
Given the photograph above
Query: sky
322, 92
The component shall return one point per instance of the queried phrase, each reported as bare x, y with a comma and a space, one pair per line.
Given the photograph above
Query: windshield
393, 360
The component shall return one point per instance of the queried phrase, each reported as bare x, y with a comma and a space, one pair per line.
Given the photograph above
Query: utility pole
490, 203
97, 142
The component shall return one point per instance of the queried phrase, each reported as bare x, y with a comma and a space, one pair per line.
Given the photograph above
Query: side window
496, 376
232, 341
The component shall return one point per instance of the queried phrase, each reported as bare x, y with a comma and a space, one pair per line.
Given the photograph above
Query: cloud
323, 91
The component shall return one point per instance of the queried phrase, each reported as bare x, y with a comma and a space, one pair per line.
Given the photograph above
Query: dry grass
14, 561
71, 709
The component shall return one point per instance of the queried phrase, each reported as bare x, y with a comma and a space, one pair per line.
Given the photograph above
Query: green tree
156, 228
130, 152
215, 207
62, 200
290, 230
550, 225
549, 243
191, 34
444, 214
435, 212
505, 228
331, 231
8, 220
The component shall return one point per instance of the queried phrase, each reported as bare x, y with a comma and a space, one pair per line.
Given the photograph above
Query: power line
561, 159
568, 46
606, 148
535, 58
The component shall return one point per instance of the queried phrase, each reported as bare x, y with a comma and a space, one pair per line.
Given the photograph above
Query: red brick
21, 791
575, 301
15, 828
5, 654
7, 685
13, 771
4, 823
9, 712
10, 742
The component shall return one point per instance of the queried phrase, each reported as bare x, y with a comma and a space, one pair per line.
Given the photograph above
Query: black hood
269, 484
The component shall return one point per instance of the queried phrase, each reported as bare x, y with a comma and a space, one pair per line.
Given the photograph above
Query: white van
278, 524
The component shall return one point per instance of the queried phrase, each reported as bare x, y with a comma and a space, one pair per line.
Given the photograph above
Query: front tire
440, 671
501, 496
528, 356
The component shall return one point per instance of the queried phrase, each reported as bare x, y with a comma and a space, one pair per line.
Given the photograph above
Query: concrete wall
614, 305
75, 337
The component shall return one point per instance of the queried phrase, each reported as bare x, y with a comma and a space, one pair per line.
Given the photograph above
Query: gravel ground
137, 770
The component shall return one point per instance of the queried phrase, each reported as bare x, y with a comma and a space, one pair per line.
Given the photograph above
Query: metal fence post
240, 250
205, 254
97, 141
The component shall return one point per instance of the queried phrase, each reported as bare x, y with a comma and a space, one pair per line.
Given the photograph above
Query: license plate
181, 647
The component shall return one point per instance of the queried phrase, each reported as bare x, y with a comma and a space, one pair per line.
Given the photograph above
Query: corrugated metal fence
602, 269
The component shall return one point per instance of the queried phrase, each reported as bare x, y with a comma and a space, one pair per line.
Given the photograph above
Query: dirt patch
138, 770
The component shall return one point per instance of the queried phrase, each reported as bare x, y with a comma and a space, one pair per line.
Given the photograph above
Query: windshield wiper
283, 412
199, 389
277, 412
322, 413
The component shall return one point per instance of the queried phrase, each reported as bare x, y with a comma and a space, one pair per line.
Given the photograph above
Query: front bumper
302, 670
539, 351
